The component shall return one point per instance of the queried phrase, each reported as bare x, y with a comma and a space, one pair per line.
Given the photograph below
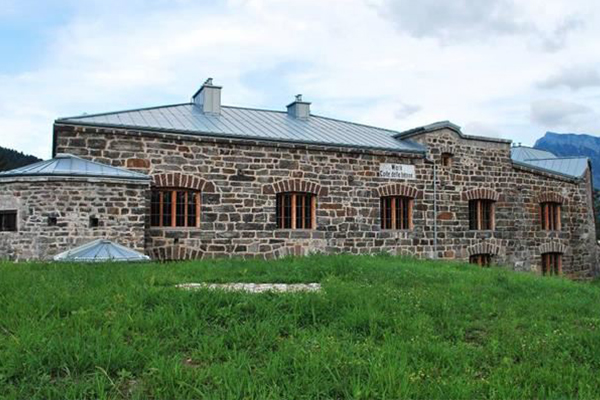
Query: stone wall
518, 239
120, 207
242, 178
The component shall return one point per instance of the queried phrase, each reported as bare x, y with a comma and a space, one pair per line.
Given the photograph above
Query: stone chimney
208, 98
299, 109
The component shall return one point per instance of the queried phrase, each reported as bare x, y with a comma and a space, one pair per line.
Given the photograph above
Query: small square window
52, 221
446, 159
8, 221
94, 222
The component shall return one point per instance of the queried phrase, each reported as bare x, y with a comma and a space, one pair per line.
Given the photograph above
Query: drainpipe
435, 208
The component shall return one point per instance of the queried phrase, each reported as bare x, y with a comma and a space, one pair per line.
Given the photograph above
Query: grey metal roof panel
99, 251
521, 153
251, 123
573, 167
70, 165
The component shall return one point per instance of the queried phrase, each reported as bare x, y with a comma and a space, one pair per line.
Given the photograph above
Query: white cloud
574, 78
347, 58
572, 117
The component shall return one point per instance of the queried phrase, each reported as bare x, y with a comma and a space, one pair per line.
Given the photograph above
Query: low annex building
224, 181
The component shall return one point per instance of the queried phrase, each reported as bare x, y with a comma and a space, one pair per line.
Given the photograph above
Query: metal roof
572, 167
522, 153
101, 250
70, 165
251, 123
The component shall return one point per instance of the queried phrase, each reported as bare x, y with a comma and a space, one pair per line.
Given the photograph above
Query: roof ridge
558, 158
121, 111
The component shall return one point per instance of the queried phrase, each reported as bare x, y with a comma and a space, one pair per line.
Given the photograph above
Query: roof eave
548, 171
422, 150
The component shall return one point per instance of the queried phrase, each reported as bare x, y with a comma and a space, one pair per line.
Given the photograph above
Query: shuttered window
550, 216
552, 263
483, 260
396, 212
481, 215
8, 221
175, 208
296, 210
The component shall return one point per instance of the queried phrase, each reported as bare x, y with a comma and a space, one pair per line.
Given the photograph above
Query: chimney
208, 98
299, 109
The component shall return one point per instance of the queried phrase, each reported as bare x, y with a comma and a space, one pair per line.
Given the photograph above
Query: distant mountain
573, 145
10, 159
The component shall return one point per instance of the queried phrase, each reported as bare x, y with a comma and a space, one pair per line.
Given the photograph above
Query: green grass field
383, 327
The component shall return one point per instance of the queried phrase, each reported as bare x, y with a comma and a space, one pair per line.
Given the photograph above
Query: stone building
241, 182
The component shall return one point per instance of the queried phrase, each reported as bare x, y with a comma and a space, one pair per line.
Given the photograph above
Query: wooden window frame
552, 263
400, 212
286, 210
477, 210
446, 159
162, 211
550, 216
5, 217
483, 260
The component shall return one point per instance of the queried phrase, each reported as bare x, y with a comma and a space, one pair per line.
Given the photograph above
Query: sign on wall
397, 171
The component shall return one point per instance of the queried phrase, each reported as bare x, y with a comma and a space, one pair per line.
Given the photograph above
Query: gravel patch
254, 287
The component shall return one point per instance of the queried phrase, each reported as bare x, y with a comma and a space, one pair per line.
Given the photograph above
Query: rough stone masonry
239, 168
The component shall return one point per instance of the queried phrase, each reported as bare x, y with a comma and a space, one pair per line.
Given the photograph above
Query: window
296, 211
94, 222
175, 208
550, 216
551, 263
8, 221
396, 212
483, 260
52, 221
481, 215
446, 159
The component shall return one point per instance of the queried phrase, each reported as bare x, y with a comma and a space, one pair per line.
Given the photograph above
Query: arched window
481, 214
396, 212
296, 210
550, 216
483, 260
172, 207
552, 263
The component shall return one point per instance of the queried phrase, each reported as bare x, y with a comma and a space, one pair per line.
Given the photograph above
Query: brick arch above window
553, 247
483, 248
295, 185
481, 194
551, 197
398, 189
173, 253
186, 181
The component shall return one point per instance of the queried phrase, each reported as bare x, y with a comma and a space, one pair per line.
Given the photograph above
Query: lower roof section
67, 165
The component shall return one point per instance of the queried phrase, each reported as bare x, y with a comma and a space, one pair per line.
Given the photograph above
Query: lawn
383, 327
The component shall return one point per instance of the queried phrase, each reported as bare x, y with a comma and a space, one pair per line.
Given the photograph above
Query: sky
498, 68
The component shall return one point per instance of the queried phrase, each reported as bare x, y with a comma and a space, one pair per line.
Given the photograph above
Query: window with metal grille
483, 260
296, 210
481, 215
396, 212
550, 216
552, 263
8, 221
175, 208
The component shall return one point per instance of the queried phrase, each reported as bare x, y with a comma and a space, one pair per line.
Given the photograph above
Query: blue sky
502, 68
